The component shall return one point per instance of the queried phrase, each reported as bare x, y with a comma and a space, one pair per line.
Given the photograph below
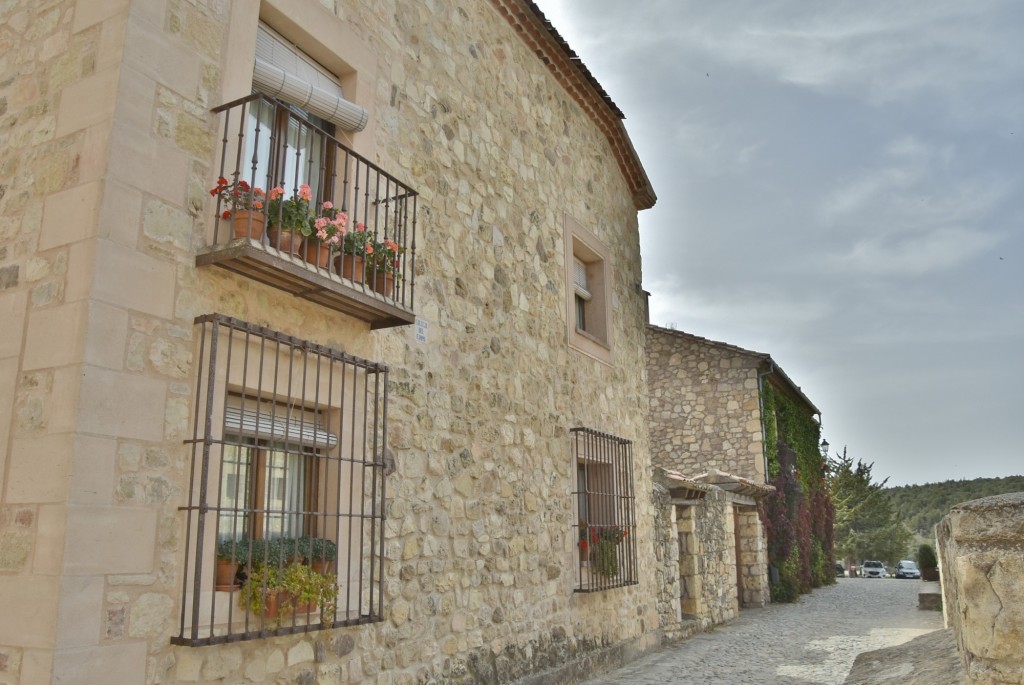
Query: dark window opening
605, 507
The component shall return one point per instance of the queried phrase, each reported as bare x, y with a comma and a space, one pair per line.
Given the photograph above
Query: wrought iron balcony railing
299, 210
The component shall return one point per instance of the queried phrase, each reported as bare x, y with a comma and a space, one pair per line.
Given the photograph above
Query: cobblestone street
812, 641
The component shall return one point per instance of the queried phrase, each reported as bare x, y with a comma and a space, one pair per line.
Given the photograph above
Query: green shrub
926, 557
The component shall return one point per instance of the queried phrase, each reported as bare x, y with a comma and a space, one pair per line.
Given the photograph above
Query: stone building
707, 431
446, 413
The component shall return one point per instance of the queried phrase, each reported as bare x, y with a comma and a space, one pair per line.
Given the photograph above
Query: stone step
929, 597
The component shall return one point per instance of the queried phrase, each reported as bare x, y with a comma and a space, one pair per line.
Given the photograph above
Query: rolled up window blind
282, 71
579, 279
262, 422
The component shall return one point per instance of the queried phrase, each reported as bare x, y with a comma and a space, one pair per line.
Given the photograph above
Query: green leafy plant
604, 541
383, 257
926, 558
316, 549
357, 242
233, 550
262, 583
294, 213
295, 587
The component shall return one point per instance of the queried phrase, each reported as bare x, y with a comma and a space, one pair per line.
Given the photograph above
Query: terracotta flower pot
226, 571
271, 602
308, 607
317, 253
288, 242
352, 267
384, 283
247, 224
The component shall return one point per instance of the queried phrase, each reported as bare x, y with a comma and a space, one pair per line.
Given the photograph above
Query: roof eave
529, 22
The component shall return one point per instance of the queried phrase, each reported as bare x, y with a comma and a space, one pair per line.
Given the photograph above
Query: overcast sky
840, 185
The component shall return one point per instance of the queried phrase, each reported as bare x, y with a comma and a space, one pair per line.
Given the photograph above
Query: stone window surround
322, 36
582, 244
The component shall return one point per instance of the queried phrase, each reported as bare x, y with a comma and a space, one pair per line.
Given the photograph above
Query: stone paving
813, 641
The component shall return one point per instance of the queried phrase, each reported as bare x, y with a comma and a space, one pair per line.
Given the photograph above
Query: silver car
907, 569
872, 569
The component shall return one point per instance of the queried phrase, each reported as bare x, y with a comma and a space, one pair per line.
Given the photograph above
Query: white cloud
877, 50
754, 306
912, 214
912, 256
838, 184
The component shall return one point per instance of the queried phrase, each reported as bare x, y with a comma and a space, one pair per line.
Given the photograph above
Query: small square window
588, 285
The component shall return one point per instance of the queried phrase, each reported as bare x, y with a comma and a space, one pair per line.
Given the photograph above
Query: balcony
276, 158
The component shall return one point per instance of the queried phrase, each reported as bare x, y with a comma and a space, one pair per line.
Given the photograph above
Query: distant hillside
922, 506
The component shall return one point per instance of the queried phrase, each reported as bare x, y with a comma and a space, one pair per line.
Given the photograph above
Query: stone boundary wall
981, 556
714, 525
707, 564
666, 553
753, 562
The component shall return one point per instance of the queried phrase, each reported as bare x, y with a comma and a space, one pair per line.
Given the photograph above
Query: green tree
866, 524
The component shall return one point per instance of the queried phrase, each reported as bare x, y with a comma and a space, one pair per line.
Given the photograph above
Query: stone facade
110, 148
722, 563
705, 405
706, 422
981, 555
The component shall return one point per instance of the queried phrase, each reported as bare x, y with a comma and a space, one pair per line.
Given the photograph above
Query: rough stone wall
981, 549
716, 562
707, 563
105, 111
705, 410
690, 581
753, 562
666, 552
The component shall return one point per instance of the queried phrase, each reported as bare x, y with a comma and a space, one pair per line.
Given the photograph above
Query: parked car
872, 569
907, 569
840, 571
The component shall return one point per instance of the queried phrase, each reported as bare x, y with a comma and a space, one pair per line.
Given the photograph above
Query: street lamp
824, 448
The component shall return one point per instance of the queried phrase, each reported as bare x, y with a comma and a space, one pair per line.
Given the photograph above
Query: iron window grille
287, 487
606, 512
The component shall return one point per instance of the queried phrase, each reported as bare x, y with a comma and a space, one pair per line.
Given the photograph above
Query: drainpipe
760, 402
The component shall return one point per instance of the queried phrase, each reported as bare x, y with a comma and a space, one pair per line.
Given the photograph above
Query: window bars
284, 529
268, 144
606, 513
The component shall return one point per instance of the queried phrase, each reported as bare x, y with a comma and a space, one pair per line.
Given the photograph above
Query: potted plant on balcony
328, 231
231, 555
584, 541
261, 592
291, 219
319, 553
382, 265
243, 205
271, 591
351, 263
605, 540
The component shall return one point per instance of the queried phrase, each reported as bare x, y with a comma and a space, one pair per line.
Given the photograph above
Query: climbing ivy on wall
798, 517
